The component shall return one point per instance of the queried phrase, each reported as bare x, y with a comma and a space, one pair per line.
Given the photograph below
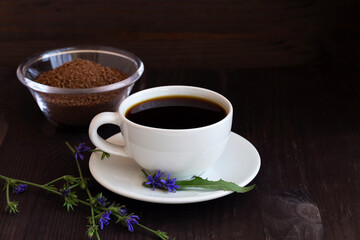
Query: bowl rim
22, 68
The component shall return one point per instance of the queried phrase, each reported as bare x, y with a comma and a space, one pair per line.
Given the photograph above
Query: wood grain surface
220, 34
290, 69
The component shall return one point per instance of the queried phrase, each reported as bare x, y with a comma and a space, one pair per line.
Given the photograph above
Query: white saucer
239, 163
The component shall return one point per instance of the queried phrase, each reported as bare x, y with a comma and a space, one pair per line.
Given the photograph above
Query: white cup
182, 153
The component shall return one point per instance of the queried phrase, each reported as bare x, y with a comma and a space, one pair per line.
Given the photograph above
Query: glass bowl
77, 106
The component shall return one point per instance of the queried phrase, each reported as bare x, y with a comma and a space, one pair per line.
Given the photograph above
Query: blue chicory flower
101, 201
133, 219
104, 220
123, 211
170, 184
79, 150
155, 181
20, 188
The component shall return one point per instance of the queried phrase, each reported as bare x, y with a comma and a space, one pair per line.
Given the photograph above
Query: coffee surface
176, 112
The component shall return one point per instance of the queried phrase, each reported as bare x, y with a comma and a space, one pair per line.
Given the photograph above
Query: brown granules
78, 109
81, 73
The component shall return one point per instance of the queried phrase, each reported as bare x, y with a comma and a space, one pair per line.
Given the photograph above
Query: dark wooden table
292, 77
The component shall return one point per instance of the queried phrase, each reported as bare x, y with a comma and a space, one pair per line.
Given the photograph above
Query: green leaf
199, 182
145, 173
12, 207
105, 155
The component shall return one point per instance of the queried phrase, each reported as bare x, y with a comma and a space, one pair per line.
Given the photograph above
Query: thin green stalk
84, 186
55, 180
84, 202
7, 193
158, 233
35, 185
79, 170
96, 150
82, 179
70, 147
4, 178
92, 216
74, 186
31, 184
88, 192
93, 221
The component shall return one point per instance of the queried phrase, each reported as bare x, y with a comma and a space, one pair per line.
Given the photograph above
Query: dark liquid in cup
176, 112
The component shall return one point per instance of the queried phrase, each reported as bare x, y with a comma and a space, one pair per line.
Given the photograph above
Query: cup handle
96, 122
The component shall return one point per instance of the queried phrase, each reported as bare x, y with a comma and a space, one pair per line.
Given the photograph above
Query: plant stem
4, 178
84, 202
88, 192
161, 235
96, 150
70, 147
55, 180
86, 189
7, 193
79, 170
82, 179
81, 176
74, 186
45, 187
92, 216
93, 221
97, 235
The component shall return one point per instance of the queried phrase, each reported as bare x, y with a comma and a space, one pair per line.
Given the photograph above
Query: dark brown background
205, 34
290, 68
